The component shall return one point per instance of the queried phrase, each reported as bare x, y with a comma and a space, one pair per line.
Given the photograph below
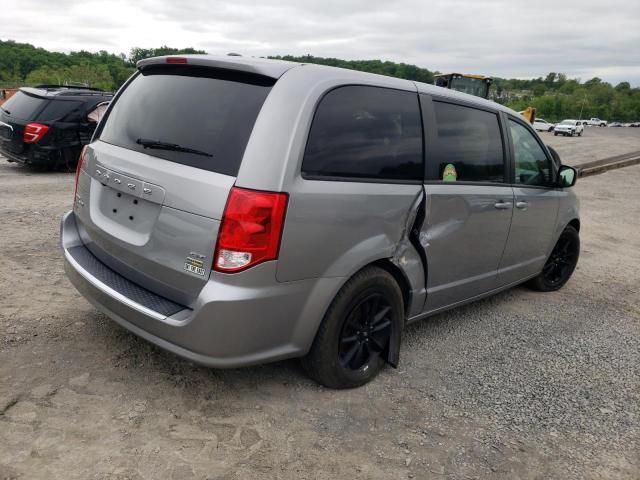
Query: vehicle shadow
141, 359
32, 170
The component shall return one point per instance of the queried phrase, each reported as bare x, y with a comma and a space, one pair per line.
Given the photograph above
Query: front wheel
67, 159
355, 334
579, 134
560, 264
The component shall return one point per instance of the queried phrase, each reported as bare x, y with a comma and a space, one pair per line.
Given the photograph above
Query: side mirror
567, 176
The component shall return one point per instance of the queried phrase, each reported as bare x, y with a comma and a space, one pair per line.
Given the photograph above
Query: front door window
533, 168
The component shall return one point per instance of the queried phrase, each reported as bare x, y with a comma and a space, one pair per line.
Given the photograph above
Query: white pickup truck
595, 122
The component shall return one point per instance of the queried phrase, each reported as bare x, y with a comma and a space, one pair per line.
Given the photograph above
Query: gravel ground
594, 144
521, 385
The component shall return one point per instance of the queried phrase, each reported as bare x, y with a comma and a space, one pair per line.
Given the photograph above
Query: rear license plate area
125, 214
120, 205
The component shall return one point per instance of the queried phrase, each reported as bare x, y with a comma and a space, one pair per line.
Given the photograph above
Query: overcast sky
506, 38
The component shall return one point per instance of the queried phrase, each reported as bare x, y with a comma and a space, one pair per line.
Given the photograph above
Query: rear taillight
33, 132
78, 169
250, 230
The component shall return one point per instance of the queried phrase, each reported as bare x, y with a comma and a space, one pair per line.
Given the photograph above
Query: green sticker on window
449, 174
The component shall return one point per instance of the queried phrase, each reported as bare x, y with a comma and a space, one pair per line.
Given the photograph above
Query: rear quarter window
57, 110
362, 132
204, 109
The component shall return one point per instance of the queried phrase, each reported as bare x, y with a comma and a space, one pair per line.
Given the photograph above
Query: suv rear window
23, 106
204, 109
365, 132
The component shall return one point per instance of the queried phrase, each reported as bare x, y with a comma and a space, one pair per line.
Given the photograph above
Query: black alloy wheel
357, 334
560, 264
366, 333
562, 259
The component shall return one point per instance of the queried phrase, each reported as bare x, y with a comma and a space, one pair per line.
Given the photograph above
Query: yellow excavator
477, 85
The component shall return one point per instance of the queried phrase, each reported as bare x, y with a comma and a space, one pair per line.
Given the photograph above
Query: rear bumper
32, 155
237, 320
13, 157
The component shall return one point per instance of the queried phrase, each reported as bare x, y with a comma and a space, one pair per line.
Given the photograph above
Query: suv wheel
560, 264
67, 160
355, 333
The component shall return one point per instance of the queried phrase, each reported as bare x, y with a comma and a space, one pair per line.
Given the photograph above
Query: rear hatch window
23, 106
207, 111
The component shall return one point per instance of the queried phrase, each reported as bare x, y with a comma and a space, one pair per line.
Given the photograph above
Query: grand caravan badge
195, 263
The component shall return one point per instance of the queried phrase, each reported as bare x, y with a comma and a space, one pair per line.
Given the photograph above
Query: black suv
47, 125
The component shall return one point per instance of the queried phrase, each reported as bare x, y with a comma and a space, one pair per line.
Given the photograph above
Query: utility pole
584, 99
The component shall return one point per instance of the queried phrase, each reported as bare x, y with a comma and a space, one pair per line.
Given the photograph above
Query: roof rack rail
70, 87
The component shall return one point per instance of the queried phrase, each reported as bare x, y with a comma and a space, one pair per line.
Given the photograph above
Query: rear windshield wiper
158, 145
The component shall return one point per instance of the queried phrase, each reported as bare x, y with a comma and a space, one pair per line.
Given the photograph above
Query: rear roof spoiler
67, 87
259, 66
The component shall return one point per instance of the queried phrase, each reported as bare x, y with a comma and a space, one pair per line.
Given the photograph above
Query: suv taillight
33, 132
250, 230
78, 169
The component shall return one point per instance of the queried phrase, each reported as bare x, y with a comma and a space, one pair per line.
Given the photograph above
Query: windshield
567, 122
192, 109
472, 86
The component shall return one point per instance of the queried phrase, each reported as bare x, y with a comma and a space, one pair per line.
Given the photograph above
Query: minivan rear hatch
154, 185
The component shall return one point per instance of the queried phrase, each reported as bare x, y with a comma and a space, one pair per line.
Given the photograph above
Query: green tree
45, 76
623, 87
550, 79
136, 54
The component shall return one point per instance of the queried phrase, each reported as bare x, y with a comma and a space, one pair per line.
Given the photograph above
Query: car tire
561, 263
579, 134
348, 349
550, 129
555, 134
67, 160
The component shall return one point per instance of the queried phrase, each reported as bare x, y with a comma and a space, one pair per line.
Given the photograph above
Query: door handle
500, 205
522, 205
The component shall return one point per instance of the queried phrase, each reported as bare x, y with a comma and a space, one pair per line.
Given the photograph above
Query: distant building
6, 94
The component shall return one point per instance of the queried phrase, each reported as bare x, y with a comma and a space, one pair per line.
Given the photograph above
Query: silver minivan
237, 211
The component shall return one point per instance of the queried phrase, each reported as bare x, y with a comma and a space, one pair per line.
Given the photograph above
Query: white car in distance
541, 125
569, 128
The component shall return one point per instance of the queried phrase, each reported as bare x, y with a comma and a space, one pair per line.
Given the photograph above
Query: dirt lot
523, 385
595, 143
